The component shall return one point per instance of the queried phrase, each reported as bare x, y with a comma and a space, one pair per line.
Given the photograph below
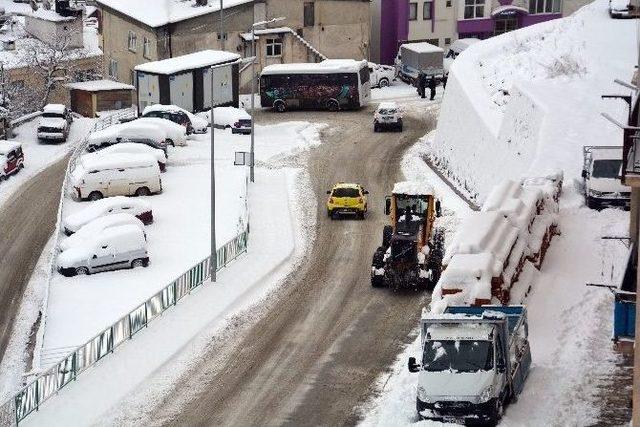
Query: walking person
432, 87
422, 84
444, 81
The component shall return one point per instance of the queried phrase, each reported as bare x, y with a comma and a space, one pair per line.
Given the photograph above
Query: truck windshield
606, 168
416, 205
461, 356
53, 115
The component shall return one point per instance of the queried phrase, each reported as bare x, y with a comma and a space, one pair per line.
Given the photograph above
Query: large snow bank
525, 103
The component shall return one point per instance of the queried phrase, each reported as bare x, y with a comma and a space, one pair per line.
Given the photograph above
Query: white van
104, 175
114, 248
601, 170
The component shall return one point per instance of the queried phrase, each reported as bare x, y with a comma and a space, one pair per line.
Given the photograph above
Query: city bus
333, 84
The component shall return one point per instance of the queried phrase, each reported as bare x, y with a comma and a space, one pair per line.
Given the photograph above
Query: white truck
601, 173
415, 58
474, 361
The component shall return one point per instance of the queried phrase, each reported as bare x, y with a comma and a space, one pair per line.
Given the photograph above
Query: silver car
122, 246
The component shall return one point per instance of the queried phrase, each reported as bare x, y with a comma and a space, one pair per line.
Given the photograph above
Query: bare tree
55, 63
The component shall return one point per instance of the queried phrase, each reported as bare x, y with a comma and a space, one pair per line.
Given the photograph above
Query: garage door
222, 86
148, 90
181, 90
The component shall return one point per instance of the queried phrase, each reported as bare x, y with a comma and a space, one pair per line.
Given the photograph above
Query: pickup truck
54, 123
475, 360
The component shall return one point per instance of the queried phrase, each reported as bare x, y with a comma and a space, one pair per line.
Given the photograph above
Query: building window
426, 10
448, 3
545, 6
413, 11
435, 42
146, 48
132, 41
274, 47
309, 14
113, 69
473, 9
447, 41
504, 25
224, 36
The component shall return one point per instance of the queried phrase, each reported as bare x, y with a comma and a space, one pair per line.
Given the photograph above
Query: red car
11, 158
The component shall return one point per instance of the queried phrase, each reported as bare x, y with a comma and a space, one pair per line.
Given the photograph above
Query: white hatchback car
381, 75
387, 116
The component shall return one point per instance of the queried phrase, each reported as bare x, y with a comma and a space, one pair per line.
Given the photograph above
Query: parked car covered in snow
601, 171
133, 148
54, 123
381, 75
176, 134
140, 134
387, 116
123, 246
98, 175
230, 117
96, 226
11, 158
455, 49
193, 123
139, 208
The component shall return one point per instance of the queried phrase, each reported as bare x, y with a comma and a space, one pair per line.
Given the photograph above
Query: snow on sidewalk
184, 331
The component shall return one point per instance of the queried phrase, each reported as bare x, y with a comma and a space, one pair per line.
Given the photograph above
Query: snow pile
490, 249
530, 99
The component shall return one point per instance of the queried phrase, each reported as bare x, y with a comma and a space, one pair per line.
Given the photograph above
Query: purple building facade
394, 28
485, 19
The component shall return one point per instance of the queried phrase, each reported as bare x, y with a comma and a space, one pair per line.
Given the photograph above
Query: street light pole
253, 95
253, 89
214, 250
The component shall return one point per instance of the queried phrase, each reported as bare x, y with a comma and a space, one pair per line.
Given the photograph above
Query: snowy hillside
530, 99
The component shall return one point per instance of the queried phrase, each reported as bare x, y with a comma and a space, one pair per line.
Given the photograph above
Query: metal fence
47, 384
55, 378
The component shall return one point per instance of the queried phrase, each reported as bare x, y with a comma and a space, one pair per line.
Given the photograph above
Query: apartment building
440, 22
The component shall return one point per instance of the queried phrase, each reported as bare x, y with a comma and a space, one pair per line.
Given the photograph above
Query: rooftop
328, 66
156, 13
192, 61
99, 85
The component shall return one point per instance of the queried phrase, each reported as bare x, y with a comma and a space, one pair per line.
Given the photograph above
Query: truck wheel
384, 82
377, 262
142, 191
361, 215
95, 195
280, 106
82, 271
376, 128
387, 232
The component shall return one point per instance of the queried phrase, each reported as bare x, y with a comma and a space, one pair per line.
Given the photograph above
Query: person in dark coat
432, 87
422, 83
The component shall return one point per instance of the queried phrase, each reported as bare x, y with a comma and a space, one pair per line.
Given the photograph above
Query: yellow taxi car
347, 199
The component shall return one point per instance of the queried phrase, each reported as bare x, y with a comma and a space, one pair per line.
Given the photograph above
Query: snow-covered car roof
54, 108
100, 161
328, 66
192, 61
462, 331
131, 147
128, 130
163, 107
127, 234
7, 146
158, 121
101, 207
389, 105
97, 225
413, 188
422, 47
608, 153
347, 185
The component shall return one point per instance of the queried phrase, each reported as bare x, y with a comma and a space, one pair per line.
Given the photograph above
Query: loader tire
378, 262
387, 232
